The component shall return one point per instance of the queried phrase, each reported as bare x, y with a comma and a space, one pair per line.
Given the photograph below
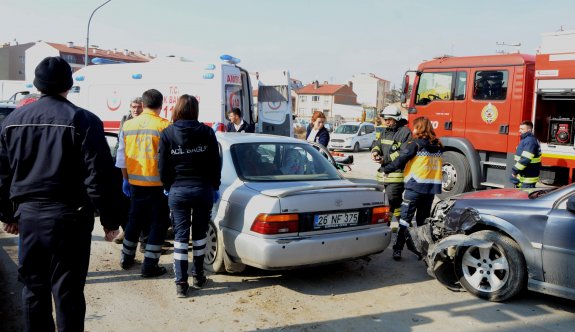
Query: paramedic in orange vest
138, 159
420, 159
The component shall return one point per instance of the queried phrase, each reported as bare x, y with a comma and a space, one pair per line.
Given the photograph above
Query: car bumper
300, 251
339, 147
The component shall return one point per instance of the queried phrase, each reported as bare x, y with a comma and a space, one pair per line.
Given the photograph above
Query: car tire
456, 175
214, 260
356, 147
496, 273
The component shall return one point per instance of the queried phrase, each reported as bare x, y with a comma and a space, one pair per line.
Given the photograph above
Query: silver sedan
285, 205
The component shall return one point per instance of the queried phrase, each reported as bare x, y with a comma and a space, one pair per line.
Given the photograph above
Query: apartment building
337, 101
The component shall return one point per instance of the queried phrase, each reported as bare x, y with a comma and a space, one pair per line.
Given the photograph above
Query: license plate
335, 219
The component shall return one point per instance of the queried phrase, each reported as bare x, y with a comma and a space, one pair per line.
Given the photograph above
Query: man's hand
376, 157
11, 228
110, 235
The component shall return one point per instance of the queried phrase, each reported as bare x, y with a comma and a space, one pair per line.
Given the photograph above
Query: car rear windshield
347, 129
281, 162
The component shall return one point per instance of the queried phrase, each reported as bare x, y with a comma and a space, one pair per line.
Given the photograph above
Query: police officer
190, 169
55, 168
138, 159
386, 150
420, 159
525, 172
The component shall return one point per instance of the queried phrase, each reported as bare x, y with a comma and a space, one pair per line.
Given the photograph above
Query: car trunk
343, 206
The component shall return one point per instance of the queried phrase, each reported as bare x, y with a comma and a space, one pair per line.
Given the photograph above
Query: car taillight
275, 223
380, 215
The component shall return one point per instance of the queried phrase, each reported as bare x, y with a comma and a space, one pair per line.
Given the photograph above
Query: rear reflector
275, 223
380, 215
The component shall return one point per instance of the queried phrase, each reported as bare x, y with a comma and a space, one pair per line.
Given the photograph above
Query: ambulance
107, 89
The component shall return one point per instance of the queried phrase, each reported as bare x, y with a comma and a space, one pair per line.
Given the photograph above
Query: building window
21, 59
70, 58
303, 99
326, 112
315, 98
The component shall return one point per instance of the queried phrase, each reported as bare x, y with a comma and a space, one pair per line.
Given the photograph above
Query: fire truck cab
477, 103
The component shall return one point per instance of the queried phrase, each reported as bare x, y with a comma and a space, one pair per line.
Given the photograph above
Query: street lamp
88, 33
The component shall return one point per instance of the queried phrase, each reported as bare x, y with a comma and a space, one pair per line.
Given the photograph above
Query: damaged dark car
496, 243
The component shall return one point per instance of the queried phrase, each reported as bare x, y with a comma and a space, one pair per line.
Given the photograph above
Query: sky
324, 40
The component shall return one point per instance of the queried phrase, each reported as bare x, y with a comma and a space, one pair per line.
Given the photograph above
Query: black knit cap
53, 76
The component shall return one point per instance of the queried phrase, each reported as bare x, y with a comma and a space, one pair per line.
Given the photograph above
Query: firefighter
386, 150
56, 166
525, 172
190, 170
420, 158
138, 158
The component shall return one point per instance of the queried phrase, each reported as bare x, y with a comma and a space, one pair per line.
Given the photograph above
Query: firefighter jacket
421, 163
141, 142
189, 155
51, 150
388, 146
527, 159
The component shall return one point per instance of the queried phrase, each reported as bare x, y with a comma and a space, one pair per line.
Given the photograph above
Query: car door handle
447, 125
504, 129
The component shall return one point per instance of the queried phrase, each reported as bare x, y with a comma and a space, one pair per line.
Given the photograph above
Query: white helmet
391, 112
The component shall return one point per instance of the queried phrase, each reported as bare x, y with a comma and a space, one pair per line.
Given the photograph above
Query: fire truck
477, 103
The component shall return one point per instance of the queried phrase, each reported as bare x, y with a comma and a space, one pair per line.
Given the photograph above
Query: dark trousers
53, 260
394, 192
190, 206
412, 202
149, 209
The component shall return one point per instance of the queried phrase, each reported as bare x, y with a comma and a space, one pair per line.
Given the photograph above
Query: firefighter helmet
391, 112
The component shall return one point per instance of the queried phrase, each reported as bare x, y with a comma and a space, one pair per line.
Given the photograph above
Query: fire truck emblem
489, 113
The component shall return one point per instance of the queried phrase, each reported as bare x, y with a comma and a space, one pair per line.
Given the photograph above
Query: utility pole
88, 33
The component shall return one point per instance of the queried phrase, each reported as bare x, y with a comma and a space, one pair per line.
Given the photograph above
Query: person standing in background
190, 170
237, 123
525, 172
316, 131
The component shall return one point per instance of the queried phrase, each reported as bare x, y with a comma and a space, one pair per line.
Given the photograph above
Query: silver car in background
284, 205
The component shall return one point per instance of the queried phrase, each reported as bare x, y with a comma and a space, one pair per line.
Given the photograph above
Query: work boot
397, 255
182, 289
126, 262
154, 271
200, 281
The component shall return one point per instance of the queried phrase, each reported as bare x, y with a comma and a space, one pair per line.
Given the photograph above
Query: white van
107, 90
352, 136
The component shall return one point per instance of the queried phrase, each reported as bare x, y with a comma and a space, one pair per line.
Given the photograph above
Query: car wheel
456, 175
356, 147
496, 273
214, 261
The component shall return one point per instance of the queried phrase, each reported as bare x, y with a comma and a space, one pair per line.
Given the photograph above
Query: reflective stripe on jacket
142, 141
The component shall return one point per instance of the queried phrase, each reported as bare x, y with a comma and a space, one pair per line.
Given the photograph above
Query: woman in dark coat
316, 132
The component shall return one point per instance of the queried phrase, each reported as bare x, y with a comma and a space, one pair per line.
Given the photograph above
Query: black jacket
527, 156
322, 136
189, 155
244, 128
52, 150
391, 141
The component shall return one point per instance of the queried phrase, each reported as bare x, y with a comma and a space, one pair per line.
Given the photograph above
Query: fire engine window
434, 86
460, 85
490, 85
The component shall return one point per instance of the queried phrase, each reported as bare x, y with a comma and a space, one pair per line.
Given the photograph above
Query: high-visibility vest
142, 141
